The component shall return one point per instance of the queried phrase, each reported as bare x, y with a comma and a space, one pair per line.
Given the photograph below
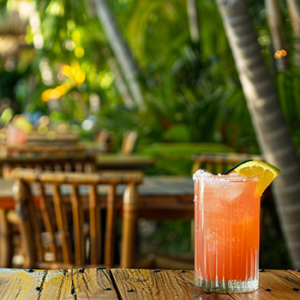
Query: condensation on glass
227, 212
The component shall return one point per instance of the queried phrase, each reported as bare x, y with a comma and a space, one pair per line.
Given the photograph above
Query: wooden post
130, 215
78, 220
95, 226
5, 241
26, 228
111, 224
62, 225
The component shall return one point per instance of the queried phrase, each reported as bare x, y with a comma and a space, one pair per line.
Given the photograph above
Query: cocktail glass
227, 210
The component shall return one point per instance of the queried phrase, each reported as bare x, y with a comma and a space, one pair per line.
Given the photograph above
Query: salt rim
201, 173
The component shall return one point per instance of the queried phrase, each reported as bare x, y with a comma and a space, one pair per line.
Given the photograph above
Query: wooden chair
69, 250
59, 139
128, 142
42, 150
37, 144
9, 221
220, 163
104, 140
52, 162
104, 137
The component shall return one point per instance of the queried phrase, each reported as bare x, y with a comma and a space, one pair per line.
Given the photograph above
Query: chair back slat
62, 225
57, 167
78, 221
29, 229
209, 166
48, 218
36, 221
130, 213
95, 225
128, 143
70, 199
111, 223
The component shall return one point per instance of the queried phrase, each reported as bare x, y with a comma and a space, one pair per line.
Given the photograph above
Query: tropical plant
60, 34
182, 82
268, 119
186, 88
122, 53
189, 84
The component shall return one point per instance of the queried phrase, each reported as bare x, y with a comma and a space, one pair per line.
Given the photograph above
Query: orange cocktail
226, 232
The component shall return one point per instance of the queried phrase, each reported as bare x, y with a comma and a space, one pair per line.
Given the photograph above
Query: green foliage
177, 133
177, 158
188, 86
288, 85
6, 116
173, 236
191, 90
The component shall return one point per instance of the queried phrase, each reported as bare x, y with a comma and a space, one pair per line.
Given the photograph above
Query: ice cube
201, 173
231, 192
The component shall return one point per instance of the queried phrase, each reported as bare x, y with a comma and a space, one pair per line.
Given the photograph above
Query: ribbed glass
226, 233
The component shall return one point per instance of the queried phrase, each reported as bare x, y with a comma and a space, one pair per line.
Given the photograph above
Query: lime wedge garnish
265, 173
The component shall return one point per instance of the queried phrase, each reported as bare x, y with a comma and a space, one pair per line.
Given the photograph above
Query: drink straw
240, 163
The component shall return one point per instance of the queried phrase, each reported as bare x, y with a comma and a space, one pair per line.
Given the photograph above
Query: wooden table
127, 284
123, 162
21, 149
103, 161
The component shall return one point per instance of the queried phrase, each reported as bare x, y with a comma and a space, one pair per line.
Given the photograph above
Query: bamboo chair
61, 139
128, 142
69, 163
215, 163
9, 220
220, 163
104, 140
43, 150
56, 225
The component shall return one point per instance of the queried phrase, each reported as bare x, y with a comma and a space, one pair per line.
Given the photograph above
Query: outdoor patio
109, 108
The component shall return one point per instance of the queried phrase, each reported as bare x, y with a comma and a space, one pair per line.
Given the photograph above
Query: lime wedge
265, 173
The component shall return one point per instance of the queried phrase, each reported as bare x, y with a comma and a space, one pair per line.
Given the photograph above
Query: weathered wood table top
98, 283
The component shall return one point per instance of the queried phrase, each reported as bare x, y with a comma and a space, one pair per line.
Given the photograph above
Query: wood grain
274, 284
56, 284
164, 285
296, 273
130, 284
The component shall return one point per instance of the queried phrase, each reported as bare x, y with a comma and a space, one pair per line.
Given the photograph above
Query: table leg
129, 230
5, 241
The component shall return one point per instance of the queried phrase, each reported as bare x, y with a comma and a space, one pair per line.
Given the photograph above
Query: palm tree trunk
122, 53
120, 83
294, 11
268, 120
278, 40
193, 20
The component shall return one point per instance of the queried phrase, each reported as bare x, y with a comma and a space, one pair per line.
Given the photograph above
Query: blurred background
160, 68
